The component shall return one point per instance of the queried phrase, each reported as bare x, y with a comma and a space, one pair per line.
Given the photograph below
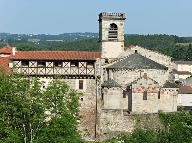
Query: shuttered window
80, 84
159, 95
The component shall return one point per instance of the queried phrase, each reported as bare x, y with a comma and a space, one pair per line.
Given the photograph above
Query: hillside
177, 47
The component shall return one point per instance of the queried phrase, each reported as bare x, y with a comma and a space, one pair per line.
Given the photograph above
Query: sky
173, 17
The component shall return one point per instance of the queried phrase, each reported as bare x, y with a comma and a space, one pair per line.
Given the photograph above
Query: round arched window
113, 32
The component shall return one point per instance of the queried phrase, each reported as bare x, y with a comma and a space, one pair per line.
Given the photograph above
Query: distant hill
46, 37
177, 47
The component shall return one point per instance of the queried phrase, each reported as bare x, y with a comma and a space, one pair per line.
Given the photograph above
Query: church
117, 82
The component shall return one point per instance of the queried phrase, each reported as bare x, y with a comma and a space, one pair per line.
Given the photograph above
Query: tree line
177, 47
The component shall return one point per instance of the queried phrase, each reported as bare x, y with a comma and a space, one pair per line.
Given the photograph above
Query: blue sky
65, 16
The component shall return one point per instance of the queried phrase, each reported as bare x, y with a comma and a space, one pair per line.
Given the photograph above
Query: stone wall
111, 49
168, 100
148, 105
114, 99
124, 77
184, 100
112, 122
184, 67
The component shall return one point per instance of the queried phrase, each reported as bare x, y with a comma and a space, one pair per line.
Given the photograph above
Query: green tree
189, 53
24, 111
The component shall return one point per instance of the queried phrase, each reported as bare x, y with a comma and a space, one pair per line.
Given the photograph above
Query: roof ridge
61, 51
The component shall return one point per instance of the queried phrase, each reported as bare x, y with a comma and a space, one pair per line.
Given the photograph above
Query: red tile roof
4, 64
185, 90
6, 50
55, 55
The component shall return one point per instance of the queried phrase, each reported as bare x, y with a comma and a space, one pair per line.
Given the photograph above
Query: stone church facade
117, 82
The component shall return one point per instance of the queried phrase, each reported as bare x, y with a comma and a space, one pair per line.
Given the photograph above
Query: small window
58, 64
74, 64
43, 84
41, 64
80, 84
90, 65
25, 63
106, 61
145, 95
159, 94
124, 94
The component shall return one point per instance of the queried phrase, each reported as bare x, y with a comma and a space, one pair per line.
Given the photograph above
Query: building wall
139, 105
112, 122
168, 100
4, 55
124, 77
114, 99
104, 28
111, 49
184, 67
184, 100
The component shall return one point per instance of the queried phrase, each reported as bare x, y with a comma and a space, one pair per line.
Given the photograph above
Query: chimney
13, 50
145, 76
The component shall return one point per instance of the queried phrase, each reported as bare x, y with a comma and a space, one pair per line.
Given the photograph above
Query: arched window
113, 32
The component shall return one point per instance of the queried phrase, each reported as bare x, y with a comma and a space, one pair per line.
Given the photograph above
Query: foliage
30, 114
177, 129
177, 47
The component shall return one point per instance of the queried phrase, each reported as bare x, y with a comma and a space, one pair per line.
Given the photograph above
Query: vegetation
177, 128
31, 114
177, 47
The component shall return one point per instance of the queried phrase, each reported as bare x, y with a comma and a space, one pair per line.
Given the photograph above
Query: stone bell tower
111, 34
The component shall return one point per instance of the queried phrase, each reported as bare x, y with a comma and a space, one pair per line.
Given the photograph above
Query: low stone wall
112, 122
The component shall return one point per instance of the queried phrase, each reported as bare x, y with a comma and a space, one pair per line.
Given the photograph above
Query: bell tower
111, 34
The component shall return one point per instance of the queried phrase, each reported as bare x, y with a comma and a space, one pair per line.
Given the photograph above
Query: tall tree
29, 114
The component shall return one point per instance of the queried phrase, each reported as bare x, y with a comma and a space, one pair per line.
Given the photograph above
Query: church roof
137, 61
55, 55
110, 83
169, 84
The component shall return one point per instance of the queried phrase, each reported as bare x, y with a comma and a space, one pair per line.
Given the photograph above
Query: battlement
110, 15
